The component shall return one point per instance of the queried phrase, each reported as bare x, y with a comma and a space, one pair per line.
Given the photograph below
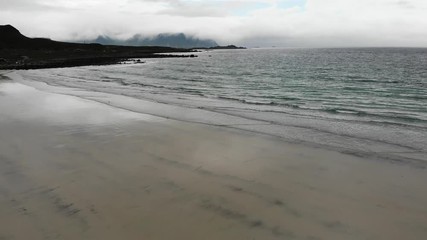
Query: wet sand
76, 169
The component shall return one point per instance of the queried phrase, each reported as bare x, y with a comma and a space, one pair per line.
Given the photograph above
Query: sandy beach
71, 168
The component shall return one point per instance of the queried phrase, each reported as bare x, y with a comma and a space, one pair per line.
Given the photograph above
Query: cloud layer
287, 23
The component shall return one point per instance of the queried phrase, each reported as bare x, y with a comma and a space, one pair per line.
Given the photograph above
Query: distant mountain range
179, 40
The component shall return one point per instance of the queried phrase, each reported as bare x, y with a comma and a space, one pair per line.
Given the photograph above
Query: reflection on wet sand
76, 169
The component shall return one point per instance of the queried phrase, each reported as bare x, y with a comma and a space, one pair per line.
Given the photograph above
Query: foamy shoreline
73, 168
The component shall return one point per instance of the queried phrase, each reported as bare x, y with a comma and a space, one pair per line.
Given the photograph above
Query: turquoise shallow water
363, 94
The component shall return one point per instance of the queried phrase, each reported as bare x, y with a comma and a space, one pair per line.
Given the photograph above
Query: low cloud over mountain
179, 40
287, 23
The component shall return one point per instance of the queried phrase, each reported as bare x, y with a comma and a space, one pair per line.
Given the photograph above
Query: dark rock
227, 47
223, 47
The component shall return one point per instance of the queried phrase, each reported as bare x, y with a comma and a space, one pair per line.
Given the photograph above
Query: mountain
20, 52
11, 38
10, 35
179, 40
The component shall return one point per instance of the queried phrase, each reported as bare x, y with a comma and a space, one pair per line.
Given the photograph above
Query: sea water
368, 101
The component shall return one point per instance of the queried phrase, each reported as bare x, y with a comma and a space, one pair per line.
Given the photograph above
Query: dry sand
76, 169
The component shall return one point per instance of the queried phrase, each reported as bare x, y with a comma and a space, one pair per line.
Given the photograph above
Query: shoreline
205, 115
88, 61
71, 167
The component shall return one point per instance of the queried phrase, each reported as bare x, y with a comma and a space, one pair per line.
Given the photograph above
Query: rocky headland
20, 52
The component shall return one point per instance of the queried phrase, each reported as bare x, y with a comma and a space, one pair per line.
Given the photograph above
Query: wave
253, 102
344, 111
378, 118
389, 116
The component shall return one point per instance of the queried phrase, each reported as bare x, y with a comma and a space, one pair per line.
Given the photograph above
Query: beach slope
72, 168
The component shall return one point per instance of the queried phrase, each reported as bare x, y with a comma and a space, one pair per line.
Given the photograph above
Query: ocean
364, 101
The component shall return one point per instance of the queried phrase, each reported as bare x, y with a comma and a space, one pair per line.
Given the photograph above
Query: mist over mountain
179, 40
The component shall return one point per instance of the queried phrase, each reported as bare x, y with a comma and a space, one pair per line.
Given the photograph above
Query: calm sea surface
370, 95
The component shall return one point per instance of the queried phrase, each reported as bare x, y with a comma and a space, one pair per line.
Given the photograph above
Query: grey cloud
320, 23
26, 5
193, 10
405, 4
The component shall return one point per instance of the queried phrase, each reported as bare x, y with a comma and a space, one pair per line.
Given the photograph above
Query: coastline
78, 167
88, 61
20, 52
293, 128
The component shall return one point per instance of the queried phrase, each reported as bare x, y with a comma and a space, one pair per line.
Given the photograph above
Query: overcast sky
287, 23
